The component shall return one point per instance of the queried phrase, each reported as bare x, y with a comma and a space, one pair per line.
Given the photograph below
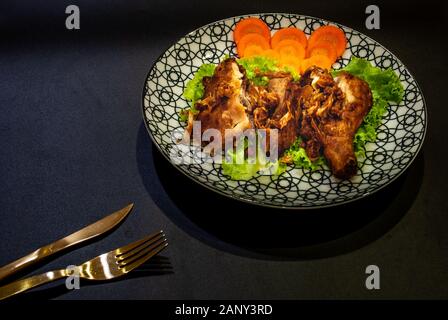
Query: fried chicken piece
283, 113
333, 110
254, 97
319, 93
286, 116
221, 107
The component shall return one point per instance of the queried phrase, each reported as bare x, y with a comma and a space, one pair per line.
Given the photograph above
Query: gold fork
109, 265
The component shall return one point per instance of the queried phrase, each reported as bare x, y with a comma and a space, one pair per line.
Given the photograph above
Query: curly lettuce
257, 65
194, 90
385, 86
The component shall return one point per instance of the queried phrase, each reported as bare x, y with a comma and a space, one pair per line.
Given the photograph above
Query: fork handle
31, 282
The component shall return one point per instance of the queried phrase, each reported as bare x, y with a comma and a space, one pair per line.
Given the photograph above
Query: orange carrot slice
289, 33
323, 48
318, 60
291, 62
270, 53
251, 39
329, 34
251, 25
289, 47
253, 50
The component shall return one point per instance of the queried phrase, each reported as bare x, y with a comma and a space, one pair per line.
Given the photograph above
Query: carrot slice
329, 34
270, 53
318, 60
251, 25
253, 50
291, 62
289, 47
251, 39
289, 33
323, 48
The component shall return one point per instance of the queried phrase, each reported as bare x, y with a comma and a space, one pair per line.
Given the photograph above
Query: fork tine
140, 247
131, 246
141, 252
129, 267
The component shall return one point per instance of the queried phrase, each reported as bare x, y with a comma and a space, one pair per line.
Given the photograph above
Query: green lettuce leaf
194, 90
258, 64
250, 167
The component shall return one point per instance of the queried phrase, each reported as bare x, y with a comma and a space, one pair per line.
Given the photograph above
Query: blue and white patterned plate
400, 135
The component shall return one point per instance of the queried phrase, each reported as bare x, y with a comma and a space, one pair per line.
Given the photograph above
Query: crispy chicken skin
333, 110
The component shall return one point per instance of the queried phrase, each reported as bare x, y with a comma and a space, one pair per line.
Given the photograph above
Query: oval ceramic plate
400, 135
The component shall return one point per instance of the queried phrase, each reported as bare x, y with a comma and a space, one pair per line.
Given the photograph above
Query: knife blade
89, 232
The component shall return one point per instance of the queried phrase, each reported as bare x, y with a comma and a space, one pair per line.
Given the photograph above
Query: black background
73, 148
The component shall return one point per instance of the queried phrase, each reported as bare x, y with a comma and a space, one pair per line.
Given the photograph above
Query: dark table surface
73, 148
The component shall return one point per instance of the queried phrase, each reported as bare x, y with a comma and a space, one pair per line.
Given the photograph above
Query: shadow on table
268, 233
158, 265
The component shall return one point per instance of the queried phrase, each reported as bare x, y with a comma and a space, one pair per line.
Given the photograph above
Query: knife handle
31, 282
29, 260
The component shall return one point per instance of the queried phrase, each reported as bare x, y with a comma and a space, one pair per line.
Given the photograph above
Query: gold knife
88, 232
